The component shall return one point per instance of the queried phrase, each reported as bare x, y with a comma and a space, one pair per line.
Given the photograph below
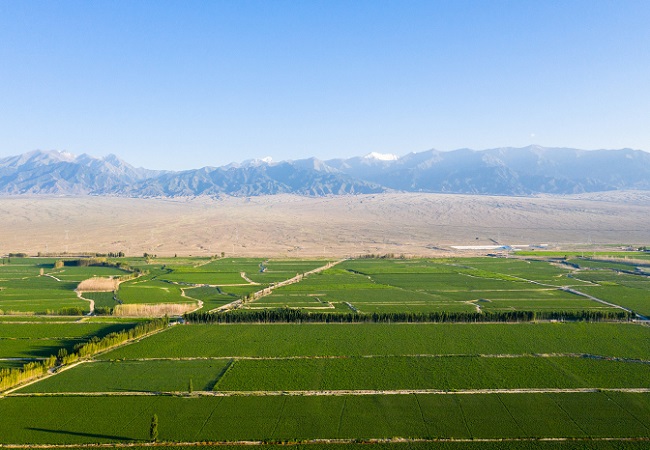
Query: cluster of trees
15, 376
291, 315
112, 254
380, 256
96, 344
103, 310
86, 262
69, 311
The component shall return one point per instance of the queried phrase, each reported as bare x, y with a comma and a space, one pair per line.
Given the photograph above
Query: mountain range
501, 171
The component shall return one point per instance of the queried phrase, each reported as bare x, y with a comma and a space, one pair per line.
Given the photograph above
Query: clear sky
185, 84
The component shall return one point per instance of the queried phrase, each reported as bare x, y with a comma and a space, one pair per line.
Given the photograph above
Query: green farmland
27, 341
72, 420
580, 384
284, 340
441, 373
364, 286
476, 284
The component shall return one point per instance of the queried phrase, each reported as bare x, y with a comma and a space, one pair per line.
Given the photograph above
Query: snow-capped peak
67, 155
255, 162
381, 156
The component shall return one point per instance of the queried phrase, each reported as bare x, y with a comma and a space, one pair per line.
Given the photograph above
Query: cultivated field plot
23, 342
276, 270
462, 284
444, 373
78, 274
150, 291
21, 292
136, 376
126, 418
101, 299
285, 340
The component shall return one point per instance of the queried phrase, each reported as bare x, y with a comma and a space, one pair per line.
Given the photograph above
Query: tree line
292, 315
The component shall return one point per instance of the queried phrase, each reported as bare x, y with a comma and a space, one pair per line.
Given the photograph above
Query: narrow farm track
52, 276
330, 393
394, 440
91, 301
419, 355
243, 275
198, 302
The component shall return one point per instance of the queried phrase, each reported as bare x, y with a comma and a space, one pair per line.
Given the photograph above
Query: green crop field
40, 340
462, 284
126, 418
150, 291
31, 318
126, 376
101, 299
210, 278
78, 274
214, 297
38, 294
56, 330
280, 340
432, 385
444, 373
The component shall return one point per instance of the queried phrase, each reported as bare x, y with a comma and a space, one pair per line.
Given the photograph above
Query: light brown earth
294, 226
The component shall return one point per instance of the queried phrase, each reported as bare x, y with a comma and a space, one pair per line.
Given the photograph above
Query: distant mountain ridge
501, 171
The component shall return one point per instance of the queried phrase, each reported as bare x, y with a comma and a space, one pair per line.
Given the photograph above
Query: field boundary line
331, 392
394, 440
419, 355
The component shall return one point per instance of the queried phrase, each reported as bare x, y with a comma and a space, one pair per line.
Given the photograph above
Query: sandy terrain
287, 225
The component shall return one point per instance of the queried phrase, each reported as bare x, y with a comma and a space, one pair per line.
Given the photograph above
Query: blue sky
185, 84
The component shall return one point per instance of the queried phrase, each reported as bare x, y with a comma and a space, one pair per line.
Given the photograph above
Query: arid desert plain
295, 226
